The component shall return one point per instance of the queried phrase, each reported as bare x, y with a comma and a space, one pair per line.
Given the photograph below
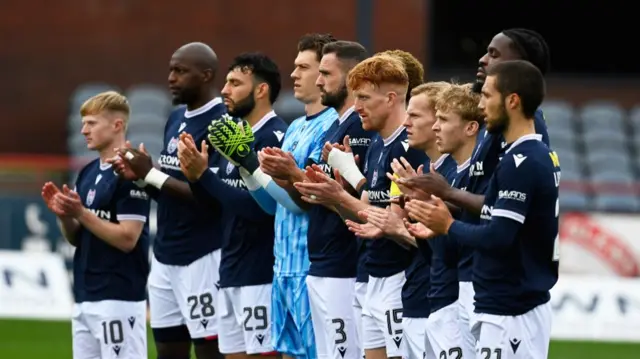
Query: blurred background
56, 55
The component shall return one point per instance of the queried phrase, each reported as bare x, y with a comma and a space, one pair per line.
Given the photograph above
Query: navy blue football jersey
187, 230
384, 256
489, 150
444, 253
465, 253
248, 230
333, 249
513, 278
101, 271
415, 291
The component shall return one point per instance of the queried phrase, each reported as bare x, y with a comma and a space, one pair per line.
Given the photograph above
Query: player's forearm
115, 234
235, 200
350, 206
293, 192
499, 233
169, 185
69, 228
403, 238
276, 192
453, 209
467, 200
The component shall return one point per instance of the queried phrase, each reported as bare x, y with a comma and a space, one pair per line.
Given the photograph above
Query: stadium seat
558, 114
616, 203
147, 123
573, 201
602, 114
149, 99
562, 138
570, 160
605, 140
288, 107
85, 91
571, 180
608, 162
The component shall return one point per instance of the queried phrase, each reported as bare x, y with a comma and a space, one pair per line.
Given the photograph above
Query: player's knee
168, 335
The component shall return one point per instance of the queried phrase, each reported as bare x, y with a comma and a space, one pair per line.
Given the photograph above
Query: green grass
26, 339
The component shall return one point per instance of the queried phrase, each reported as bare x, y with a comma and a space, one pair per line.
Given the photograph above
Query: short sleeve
132, 203
516, 178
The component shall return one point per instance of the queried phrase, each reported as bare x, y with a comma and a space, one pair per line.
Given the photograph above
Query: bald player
183, 283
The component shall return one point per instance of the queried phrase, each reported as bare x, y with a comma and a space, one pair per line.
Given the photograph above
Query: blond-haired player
458, 120
380, 88
105, 218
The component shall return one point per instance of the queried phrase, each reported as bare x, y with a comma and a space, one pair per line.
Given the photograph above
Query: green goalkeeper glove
233, 141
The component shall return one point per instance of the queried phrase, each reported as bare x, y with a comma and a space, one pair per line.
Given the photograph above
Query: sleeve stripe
508, 214
131, 217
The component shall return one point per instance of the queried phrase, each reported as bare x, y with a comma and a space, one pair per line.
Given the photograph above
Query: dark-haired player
105, 218
183, 283
244, 307
275, 169
378, 80
333, 250
516, 245
507, 45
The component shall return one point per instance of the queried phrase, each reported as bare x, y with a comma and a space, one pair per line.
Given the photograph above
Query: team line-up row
395, 219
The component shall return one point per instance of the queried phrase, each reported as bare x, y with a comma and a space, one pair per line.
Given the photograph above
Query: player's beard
243, 107
501, 123
336, 99
477, 86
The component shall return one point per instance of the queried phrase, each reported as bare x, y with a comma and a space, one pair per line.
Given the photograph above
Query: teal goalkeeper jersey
304, 140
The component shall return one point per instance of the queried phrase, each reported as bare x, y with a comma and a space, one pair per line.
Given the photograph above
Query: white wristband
140, 183
156, 178
345, 163
251, 183
262, 178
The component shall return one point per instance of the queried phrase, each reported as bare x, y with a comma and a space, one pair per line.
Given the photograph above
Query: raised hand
49, 192
433, 183
364, 230
193, 162
433, 214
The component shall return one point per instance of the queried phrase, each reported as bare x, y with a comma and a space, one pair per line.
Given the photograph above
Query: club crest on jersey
173, 145
230, 167
90, 197
374, 180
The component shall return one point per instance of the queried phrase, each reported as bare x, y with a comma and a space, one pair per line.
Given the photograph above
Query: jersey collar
530, 137
199, 111
440, 161
346, 114
271, 114
387, 141
464, 165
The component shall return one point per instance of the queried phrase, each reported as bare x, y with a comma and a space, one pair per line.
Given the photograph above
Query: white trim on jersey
508, 214
131, 217
199, 111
